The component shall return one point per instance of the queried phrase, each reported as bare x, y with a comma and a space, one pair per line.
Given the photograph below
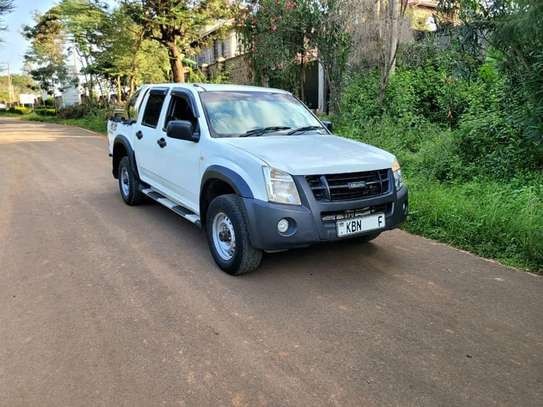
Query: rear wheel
129, 185
228, 236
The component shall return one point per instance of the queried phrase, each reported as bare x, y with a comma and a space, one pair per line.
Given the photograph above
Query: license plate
360, 224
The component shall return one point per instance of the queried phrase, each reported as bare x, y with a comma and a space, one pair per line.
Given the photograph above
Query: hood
314, 154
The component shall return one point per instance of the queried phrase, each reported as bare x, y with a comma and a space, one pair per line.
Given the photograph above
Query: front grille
349, 186
333, 216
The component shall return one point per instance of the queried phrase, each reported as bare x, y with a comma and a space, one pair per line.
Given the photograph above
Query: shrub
19, 110
74, 112
451, 119
45, 111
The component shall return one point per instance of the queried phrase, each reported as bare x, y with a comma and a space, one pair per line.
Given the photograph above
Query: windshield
234, 114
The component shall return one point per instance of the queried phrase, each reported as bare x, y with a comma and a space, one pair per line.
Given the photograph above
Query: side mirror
328, 125
181, 130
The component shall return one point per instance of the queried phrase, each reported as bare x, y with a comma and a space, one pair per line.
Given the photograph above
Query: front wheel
228, 236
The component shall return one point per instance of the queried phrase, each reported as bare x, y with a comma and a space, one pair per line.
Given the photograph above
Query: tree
275, 34
334, 45
511, 31
6, 6
19, 83
394, 16
86, 24
178, 25
126, 58
281, 36
108, 44
46, 57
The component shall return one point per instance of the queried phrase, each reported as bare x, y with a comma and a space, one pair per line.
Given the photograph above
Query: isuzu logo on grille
356, 185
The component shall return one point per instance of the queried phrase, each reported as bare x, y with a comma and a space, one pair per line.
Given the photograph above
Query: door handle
161, 142
139, 134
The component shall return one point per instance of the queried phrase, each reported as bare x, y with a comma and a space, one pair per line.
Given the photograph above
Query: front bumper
314, 221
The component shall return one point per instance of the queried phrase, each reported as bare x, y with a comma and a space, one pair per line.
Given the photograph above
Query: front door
180, 159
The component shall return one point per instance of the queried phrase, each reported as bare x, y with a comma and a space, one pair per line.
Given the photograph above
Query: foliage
87, 24
75, 112
282, 36
108, 45
45, 111
46, 56
20, 84
6, 6
277, 36
95, 120
450, 116
512, 28
19, 110
334, 45
179, 25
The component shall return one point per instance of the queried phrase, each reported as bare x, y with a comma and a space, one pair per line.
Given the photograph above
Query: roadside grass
492, 219
4, 113
94, 121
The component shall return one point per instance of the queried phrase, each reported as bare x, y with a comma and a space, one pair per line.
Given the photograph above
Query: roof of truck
203, 87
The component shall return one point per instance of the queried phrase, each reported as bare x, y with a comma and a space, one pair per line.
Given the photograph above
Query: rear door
147, 135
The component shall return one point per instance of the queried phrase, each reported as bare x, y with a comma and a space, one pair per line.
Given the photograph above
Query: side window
132, 108
180, 109
152, 109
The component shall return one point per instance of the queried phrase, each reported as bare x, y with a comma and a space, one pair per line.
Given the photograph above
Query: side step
180, 210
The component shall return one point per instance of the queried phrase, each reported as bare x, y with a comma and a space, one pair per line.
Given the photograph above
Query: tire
367, 238
226, 220
129, 184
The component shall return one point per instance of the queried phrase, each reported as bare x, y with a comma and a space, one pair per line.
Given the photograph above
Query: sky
14, 45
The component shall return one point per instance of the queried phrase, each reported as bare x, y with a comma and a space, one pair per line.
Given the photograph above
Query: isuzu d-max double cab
254, 167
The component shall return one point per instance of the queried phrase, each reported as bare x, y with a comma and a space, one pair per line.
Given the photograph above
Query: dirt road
102, 304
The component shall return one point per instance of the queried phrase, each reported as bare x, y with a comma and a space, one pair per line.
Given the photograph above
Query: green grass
95, 122
3, 113
503, 222
499, 218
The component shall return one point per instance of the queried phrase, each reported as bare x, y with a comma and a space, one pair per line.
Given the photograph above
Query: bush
474, 177
45, 111
19, 110
74, 112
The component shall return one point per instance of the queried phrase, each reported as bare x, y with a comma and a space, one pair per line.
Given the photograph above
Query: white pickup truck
254, 167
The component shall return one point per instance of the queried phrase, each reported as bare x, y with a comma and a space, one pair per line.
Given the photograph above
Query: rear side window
152, 109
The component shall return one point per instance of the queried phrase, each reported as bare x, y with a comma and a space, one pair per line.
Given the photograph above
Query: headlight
280, 187
398, 182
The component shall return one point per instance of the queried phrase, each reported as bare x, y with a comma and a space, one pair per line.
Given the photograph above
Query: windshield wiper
305, 128
263, 130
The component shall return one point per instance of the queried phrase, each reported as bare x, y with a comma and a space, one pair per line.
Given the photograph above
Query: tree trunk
393, 17
302, 79
178, 72
119, 92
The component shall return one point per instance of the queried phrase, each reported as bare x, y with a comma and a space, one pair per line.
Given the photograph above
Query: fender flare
232, 178
123, 140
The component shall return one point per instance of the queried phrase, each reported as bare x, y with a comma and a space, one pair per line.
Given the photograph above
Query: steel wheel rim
224, 237
125, 182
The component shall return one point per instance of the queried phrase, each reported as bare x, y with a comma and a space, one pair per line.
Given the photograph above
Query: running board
180, 210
